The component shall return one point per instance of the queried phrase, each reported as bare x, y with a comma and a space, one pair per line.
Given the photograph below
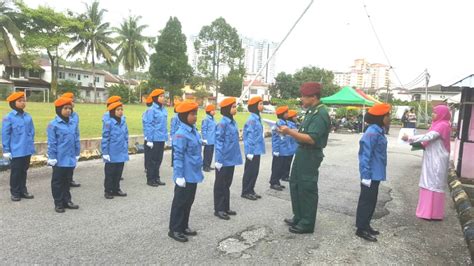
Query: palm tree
131, 48
8, 25
94, 39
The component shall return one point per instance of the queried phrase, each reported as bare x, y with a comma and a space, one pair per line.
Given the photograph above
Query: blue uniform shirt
187, 157
105, 117
253, 136
63, 142
373, 154
227, 146
155, 122
208, 129
18, 134
174, 124
281, 143
292, 141
115, 140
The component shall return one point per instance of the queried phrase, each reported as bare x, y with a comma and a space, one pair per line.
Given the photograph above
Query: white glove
7, 156
77, 157
52, 162
204, 141
250, 157
106, 157
366, 182
181, 182
277, 154
218, 166
149, 144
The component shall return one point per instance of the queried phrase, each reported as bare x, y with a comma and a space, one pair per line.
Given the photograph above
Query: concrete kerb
465, 211
91, 148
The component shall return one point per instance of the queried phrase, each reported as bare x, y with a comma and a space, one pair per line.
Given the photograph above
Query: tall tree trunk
93, 75
54, 76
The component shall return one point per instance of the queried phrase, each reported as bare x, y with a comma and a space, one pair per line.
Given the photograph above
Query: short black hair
374, 119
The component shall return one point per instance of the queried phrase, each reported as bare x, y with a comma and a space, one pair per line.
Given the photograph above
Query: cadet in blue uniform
63, 148
18, 134
186, 171
114, 150
228, 155
281, 150
155, 130
149, 103
254, 147
293, 145
173, 128
372, 168
75, 118
208, 131
110, 100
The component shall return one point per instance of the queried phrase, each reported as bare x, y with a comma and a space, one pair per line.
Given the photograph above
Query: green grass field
91, 117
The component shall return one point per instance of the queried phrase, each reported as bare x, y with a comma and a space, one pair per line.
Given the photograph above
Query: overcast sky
416, 34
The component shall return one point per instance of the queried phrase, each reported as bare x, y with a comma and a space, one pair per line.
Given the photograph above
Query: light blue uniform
227, 146
187, 157
373, 154
281, 143
253, 136
208, 130
115, 140
63, 142
155, 122
18, 134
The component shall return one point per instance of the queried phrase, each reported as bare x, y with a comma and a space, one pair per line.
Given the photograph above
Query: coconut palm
8, 26
95, 39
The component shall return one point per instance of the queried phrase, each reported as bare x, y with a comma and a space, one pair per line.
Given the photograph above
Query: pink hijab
442, 125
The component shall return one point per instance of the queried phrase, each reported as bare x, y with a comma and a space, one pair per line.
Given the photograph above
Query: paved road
134, 229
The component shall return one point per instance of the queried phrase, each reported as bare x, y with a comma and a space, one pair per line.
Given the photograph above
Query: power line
380, 44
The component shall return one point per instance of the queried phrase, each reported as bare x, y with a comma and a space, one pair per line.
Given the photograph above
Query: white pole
274, 52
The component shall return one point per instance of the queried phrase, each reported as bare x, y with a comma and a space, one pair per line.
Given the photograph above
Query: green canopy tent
346, 96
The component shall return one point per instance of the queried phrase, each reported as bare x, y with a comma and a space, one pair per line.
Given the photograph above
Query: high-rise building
364, 75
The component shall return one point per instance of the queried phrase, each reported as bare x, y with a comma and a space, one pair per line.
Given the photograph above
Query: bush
292, 103
128, 96
68, 86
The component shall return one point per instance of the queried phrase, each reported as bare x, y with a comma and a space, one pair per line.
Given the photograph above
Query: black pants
113, 173
60, 185
181, 208
278, 169
207, 156
70, 177
153, 160
18, 172
286, 173
366, 205
250, 175
222, 188
172, 155
145, 155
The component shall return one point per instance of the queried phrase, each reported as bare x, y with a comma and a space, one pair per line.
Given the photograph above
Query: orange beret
15, 96
113, 99
227, 102
310, 88
210, 108
114, 105
156, 92
380, 109
292, 113
68, 95
282, 109
62, 101
255, 100
176, 104
185, 107
149, 100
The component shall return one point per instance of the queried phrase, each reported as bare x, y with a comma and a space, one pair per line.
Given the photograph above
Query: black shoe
71, 205
229, 212
296, 230
276, 187
372, 231
365, 235
120, 193
189, 232
59, 209
15, 198
180, 237
282, 187
160, 183
152, 184
257, 196
222, 215
121, 178
289, 221
249, 197
27, 195
74, 184
285, 179
108, 195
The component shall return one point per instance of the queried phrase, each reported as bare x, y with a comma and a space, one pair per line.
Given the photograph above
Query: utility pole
427, 79
387, 84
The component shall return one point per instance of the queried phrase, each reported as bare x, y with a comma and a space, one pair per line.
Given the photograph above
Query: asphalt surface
134, 229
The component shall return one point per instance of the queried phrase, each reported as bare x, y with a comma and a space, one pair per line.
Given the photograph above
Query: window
61, 75
34, 73
79, 77
71, 75
97, 79
253, 91
86, 76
